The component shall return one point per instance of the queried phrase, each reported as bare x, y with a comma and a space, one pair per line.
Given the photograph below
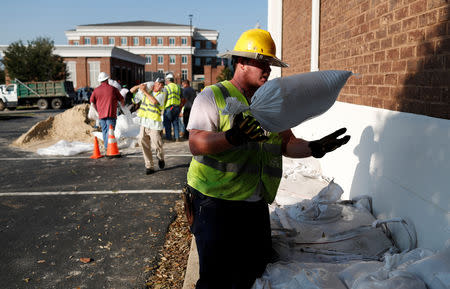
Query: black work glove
245, 130
329, 143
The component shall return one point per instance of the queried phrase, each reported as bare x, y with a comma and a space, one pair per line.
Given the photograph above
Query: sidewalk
191, 276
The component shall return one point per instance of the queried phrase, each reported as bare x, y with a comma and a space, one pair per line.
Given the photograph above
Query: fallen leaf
86, 260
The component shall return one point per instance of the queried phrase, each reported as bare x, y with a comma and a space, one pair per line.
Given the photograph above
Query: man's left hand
328, 143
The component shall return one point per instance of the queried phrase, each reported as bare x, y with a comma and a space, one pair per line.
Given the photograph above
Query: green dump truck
56, 94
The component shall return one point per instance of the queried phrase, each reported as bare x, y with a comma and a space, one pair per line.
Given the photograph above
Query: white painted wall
400, 159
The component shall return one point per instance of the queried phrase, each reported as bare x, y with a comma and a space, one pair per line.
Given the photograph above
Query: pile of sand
71, 125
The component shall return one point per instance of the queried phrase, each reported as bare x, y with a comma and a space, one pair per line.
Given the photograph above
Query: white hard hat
169, 76
114, 83
160, 79
124, 92
102, 76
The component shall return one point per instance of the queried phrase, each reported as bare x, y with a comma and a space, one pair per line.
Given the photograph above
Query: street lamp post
190, 43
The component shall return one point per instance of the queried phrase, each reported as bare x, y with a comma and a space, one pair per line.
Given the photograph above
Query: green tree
34, 62
225, 74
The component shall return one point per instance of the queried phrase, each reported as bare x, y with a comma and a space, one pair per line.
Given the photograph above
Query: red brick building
85, 63
181, 49
401, 49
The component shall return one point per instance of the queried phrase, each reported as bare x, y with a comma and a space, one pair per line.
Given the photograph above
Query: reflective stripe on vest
237, 173
150, 110
173, 95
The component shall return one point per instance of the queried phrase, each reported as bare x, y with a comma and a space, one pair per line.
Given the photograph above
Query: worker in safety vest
151, 97
236, 170
172, 108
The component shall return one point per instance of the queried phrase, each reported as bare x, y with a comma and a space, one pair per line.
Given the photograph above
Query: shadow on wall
404, 159
403, 165
427, 88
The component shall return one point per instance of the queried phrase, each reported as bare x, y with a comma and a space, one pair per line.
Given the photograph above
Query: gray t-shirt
204, 113
189, 94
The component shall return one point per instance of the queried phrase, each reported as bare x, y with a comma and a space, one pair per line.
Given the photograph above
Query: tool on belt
188, 200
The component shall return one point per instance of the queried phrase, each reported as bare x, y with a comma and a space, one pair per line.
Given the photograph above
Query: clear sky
27, 19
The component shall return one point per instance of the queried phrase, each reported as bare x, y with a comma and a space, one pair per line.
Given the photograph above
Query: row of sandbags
325, 242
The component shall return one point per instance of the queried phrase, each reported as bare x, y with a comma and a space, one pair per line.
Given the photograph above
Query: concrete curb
191, 276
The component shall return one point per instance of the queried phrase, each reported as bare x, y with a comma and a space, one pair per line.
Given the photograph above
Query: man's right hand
245, 130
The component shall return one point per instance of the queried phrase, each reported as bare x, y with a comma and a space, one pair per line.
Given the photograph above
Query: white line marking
86, 157
23, 194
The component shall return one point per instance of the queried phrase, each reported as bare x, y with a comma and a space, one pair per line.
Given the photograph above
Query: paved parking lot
74, 222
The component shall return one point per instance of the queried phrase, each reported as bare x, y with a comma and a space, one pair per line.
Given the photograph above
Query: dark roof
135, 23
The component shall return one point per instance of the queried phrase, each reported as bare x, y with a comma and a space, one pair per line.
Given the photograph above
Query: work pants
104, 124
171, 119
148, 137
233, 241
186, 114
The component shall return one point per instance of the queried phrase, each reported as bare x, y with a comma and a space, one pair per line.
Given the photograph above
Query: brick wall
400, 48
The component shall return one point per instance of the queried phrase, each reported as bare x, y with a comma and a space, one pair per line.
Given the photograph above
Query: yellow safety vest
236, 173
150, 110
173, 95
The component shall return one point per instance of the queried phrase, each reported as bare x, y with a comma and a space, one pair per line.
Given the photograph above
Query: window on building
160, 59
148, 41
184, 74
76, 42
135, 41
208, 45
87, 40
148, 59
94, 71
184, 59
161, 71
171, 41
123, 41
160, 41
197, 44
72, 69
208, 60
172, 59
198, 61
99, 40
183, 40
111, 40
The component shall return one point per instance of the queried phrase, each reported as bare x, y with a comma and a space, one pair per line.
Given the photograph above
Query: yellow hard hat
256, 44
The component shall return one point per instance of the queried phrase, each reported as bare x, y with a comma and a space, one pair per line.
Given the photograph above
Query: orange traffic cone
112, 150
96, 154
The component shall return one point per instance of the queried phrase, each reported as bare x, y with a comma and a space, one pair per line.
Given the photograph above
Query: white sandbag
285, 102
388, 275
92, 113
294, 275
115, 84
433, 270
126, 127
358, 270
65, 148
325, 229
383, 279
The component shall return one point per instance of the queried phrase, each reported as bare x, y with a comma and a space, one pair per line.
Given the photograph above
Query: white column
275, 27
315, 33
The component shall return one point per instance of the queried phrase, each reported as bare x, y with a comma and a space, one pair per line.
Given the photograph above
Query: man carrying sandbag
236, 170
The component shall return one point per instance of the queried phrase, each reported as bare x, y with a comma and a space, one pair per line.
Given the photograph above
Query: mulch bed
170, 271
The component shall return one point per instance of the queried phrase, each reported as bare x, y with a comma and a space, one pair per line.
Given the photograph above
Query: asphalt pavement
75, 222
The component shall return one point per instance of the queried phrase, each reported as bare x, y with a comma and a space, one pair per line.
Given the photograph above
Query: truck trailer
56, 94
